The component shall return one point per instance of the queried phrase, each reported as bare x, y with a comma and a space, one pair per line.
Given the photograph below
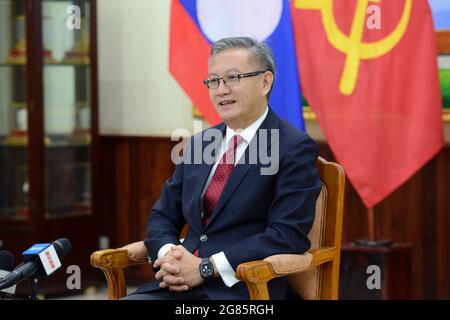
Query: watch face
206, 270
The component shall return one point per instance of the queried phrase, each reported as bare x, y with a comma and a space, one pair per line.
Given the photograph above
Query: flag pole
371, 223
371, 240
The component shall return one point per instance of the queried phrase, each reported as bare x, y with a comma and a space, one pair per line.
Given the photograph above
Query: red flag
369, 72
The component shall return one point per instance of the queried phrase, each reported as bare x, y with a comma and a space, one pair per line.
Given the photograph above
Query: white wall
138, 96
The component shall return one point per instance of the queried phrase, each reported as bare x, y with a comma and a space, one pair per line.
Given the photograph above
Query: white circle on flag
233, 18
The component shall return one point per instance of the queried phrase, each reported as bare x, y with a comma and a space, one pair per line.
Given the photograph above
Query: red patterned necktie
220, 178
221, 175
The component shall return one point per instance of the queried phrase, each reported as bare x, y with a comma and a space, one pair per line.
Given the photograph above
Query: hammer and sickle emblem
352, 45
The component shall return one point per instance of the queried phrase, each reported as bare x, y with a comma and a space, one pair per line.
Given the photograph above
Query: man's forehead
233, 59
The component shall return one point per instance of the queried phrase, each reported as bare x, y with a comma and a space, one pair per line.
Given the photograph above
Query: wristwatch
206, 269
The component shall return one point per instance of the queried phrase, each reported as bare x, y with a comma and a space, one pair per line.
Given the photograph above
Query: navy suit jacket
256, 216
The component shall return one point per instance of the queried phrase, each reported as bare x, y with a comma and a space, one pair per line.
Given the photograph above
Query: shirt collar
248, 133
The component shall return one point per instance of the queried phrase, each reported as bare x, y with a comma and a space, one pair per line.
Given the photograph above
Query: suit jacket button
203, 238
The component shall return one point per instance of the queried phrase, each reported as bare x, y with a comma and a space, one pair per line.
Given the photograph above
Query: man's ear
267, 82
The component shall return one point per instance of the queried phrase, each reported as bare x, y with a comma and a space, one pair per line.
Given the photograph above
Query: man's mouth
226, 102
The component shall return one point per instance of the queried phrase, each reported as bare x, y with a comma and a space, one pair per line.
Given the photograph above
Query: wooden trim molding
309, 115
443, 41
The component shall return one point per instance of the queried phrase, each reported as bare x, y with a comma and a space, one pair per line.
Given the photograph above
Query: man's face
240, 104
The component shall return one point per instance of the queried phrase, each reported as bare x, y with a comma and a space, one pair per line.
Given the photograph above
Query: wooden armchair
313, 275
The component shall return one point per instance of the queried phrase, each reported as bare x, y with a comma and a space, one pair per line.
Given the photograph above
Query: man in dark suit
247, 188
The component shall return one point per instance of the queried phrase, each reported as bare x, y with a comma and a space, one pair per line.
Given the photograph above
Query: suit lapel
201, 172
241, 169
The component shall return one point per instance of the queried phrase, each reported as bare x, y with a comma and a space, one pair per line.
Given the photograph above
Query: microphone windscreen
6, 260
62, 247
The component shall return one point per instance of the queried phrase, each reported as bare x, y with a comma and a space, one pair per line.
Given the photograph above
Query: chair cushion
307, 284
316, 233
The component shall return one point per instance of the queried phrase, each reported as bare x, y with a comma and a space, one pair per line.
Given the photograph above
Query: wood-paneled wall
133, 170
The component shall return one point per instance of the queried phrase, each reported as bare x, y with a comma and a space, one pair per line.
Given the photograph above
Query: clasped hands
178, 270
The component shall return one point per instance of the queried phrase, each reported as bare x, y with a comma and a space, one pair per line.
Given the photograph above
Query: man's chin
228, 116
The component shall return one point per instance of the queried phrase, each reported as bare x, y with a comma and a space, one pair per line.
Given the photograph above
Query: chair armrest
256, 274
114, 259
112, 262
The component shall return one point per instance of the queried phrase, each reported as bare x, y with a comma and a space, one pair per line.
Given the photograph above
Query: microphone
6, 265
40, 260
6, 260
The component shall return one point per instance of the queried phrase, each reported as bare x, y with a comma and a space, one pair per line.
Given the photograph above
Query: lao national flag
196, 24
373, 86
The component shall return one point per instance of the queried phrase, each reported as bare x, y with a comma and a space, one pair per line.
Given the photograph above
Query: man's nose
222, 89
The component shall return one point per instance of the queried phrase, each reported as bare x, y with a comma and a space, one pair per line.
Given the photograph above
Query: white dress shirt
223, 266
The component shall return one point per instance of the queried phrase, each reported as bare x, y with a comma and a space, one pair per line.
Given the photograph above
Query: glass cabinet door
67, 107
14, 178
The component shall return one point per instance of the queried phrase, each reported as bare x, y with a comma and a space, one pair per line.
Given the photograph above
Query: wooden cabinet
49, 131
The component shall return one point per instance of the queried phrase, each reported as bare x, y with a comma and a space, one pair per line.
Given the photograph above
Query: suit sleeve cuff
225, 270
164, 249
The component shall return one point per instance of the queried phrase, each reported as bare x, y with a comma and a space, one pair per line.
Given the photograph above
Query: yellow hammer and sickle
352, 45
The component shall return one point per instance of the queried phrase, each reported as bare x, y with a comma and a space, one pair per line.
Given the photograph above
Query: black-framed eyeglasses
230, 79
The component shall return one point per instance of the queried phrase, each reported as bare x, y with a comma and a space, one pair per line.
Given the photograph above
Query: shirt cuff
164, 249
225, 270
